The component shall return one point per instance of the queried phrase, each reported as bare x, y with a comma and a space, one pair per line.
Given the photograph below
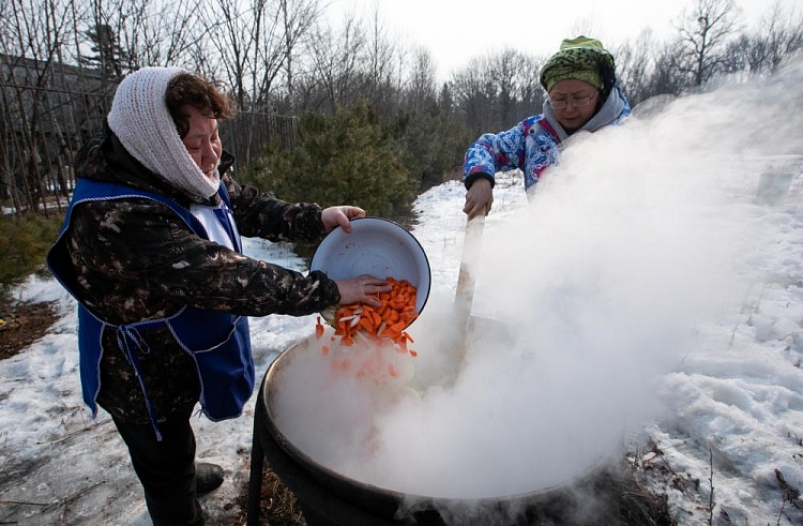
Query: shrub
435, 145
24, 241
349, 157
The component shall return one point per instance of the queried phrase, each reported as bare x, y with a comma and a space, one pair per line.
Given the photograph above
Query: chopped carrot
325, 349
319, 329
388, 321
413, 353
367, 324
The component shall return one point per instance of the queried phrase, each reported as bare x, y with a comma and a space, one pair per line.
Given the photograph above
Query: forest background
343, 101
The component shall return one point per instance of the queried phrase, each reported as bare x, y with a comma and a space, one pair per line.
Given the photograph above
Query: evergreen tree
109, 56
349, 157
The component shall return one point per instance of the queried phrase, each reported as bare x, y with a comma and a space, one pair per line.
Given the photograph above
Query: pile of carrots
382, 324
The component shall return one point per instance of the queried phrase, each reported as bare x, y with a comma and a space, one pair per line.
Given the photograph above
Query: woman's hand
479, 198
340, 216
362, 289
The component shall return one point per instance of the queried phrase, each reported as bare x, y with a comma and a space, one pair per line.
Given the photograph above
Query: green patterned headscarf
583, 59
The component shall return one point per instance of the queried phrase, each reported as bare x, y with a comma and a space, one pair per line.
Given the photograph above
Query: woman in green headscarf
583, 95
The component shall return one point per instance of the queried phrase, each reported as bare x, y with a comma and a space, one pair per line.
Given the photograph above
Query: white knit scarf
140, 119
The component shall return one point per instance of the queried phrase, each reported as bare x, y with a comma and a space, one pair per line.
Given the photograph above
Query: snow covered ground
656, 279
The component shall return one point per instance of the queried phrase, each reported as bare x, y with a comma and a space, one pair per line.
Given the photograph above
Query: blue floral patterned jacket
534, 144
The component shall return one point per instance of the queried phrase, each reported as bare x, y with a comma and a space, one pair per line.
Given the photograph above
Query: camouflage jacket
126, 254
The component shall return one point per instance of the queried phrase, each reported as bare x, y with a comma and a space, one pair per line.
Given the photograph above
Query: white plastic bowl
378, 247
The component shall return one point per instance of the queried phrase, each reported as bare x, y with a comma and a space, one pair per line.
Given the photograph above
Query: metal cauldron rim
544, 494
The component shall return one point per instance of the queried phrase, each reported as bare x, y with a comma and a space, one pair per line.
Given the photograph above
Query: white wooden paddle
466, 279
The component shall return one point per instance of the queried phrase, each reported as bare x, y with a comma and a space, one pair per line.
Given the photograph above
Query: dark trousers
166, 470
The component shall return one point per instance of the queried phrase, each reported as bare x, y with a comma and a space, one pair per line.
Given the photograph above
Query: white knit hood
140, 119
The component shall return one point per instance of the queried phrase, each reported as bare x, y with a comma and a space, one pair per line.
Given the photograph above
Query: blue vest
221, 350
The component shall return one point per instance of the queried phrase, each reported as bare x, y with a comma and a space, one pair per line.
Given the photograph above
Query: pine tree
109, 57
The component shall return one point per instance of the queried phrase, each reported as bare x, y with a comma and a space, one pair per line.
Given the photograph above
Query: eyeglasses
577, 103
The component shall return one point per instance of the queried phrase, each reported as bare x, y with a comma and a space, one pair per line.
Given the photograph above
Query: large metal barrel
329, 498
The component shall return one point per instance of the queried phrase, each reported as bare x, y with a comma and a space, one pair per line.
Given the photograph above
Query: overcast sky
455, 31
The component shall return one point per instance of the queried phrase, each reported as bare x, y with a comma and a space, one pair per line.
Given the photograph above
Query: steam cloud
639, 236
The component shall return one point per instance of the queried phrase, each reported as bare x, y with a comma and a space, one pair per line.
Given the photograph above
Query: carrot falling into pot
379, 325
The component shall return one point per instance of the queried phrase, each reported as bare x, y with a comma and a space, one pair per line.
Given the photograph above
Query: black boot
207, 477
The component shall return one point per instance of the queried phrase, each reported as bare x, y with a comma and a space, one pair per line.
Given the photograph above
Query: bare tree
586, 26
704, 32
338, 62
530, 93
385, 61
38, 29
380, 54
256, 45
633, 66
296, 19
667, 77
475, 96
234, 34
779, 35
163, 33
319, 88
503, 70
421, 88
498, 90
130, 34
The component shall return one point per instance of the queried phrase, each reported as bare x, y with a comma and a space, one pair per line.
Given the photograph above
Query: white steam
596, 287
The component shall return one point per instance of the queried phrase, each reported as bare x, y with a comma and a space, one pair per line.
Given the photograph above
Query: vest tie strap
129, 340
